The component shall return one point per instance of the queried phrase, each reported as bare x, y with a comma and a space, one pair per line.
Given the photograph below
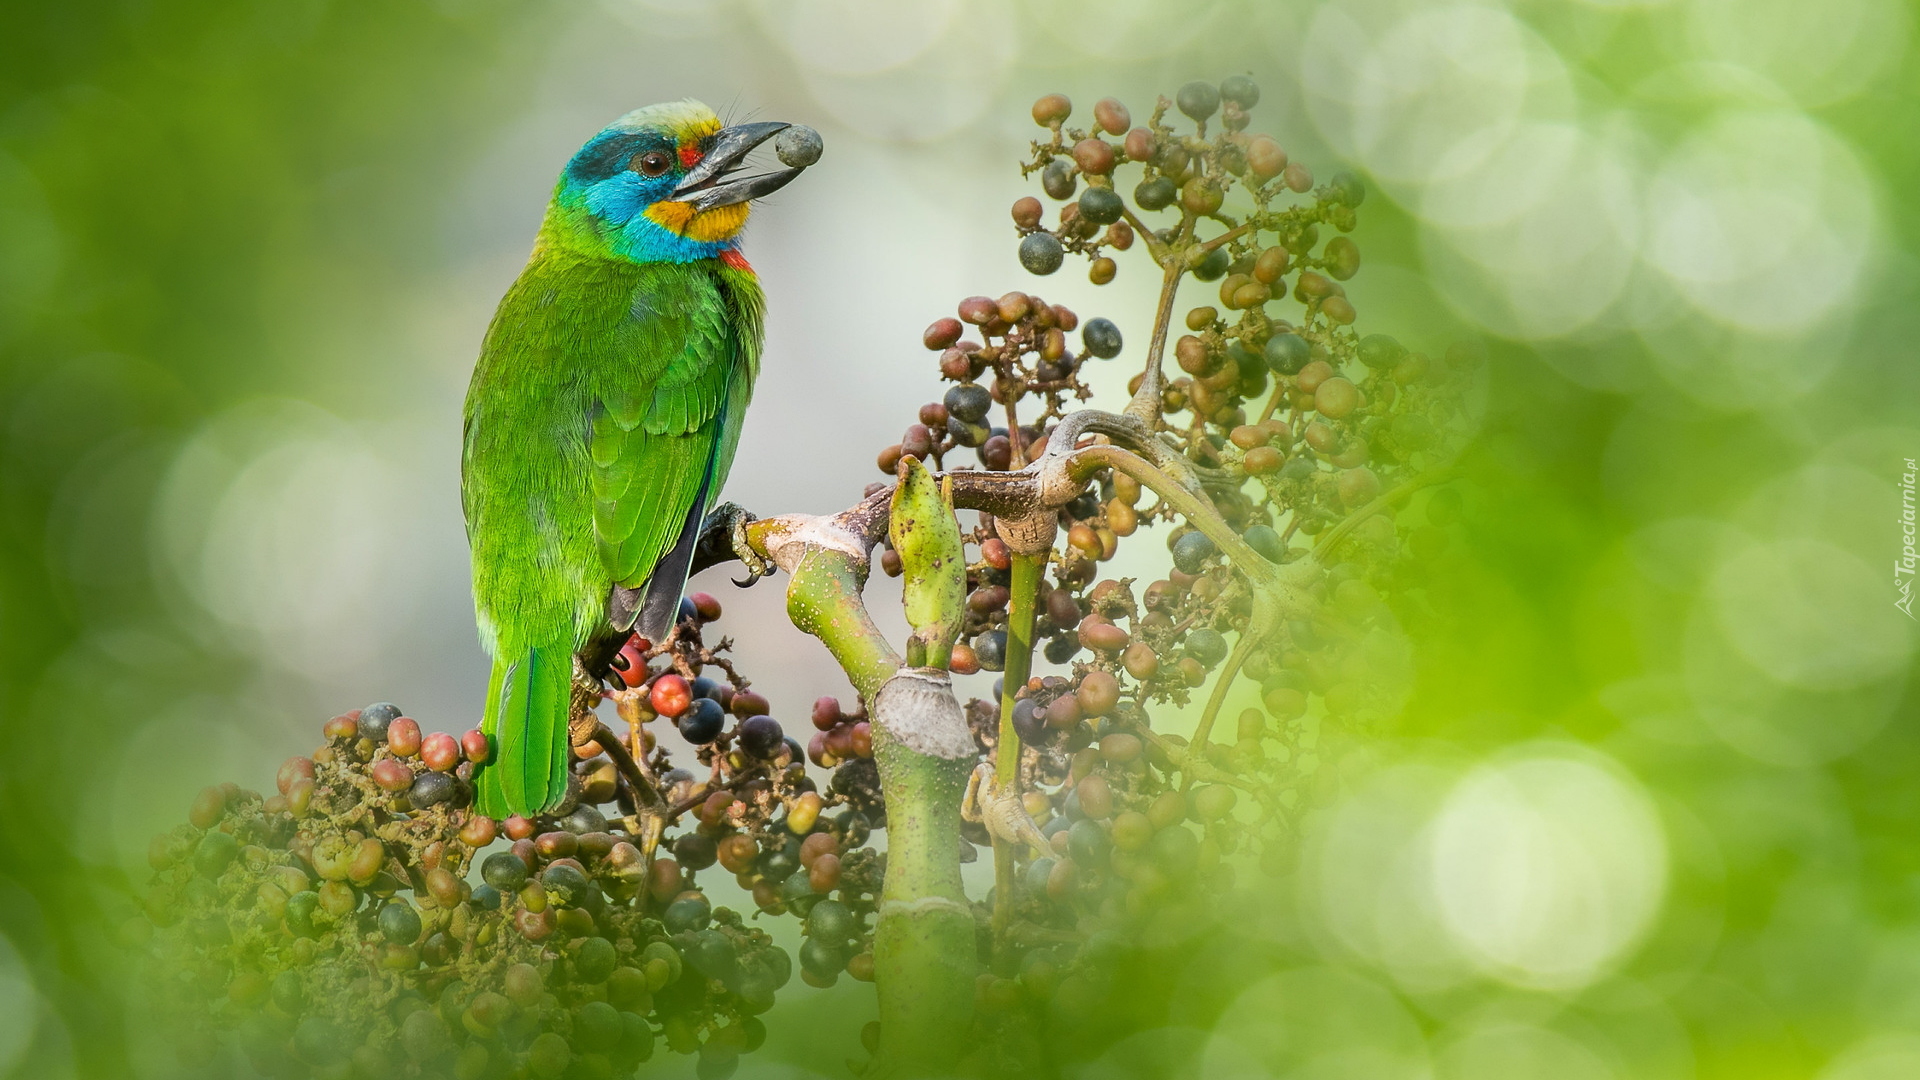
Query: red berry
670, 695
440, 751
518, 828
942, 333
826, 713
861, 739
706, 605
476, 747
478, 832
344, 726
391, 775
295, 768
403, 737
630, 664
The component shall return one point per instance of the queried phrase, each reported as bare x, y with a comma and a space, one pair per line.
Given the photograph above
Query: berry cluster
357, 922
1308, 439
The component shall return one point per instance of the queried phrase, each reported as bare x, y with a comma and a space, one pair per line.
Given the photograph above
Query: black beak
703, 186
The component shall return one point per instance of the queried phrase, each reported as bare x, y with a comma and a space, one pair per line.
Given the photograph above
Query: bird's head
660, 185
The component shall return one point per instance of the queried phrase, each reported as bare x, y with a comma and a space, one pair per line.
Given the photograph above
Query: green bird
602, 420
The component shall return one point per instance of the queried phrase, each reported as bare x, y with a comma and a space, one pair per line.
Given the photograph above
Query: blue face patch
598, 179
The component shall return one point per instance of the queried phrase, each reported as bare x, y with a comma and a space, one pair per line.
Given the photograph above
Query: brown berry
1311, 376
1200, 196
1094, 156
942, 333
1140, 144
1262, 460
1026, 214
1358, 486
1102, 270
1052, 109
1336, 398
1265, 157
1140, 660
979, 310
1271, 264
1297, 177
1112, 116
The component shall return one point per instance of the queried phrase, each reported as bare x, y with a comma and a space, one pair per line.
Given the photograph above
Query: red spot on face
690, 155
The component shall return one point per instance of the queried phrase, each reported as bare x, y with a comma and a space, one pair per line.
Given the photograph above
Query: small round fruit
1207, 646
1057, 179
1264, 541
1155, 194
1200, 196
942, 333
1098, 693
1102, 206
1094, 156
990, 650
1265, 157
1286, 353
1191, 552
1240, 90
798, 146
1052, 109
1101, 338
702, 723
440, 752
403, 737
1198, 100
1342, 257
761, 736
399, 923
1112, 116
670, 695
1041, 253
1381, 351
1336, 398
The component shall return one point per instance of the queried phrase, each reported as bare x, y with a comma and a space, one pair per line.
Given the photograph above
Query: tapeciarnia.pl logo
1903, 566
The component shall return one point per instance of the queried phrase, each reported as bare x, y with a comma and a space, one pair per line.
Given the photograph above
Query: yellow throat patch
719, 223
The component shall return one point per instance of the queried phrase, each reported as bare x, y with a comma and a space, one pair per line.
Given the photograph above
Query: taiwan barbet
603, 416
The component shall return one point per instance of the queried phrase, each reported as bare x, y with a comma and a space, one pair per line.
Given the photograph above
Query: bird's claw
736, 519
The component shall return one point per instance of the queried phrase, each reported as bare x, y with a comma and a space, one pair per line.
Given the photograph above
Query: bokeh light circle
1761, 219
1548, 866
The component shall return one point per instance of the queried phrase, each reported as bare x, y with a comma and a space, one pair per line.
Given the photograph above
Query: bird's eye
651, 163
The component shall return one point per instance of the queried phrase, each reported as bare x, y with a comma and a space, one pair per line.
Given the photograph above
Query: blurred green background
1651, 811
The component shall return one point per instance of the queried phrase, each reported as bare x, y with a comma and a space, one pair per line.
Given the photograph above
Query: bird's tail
528, 701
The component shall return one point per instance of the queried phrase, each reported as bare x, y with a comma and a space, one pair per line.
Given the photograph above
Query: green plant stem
823, 599
1025, 588
924, 950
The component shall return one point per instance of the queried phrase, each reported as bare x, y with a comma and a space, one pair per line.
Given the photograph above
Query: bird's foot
734, 518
